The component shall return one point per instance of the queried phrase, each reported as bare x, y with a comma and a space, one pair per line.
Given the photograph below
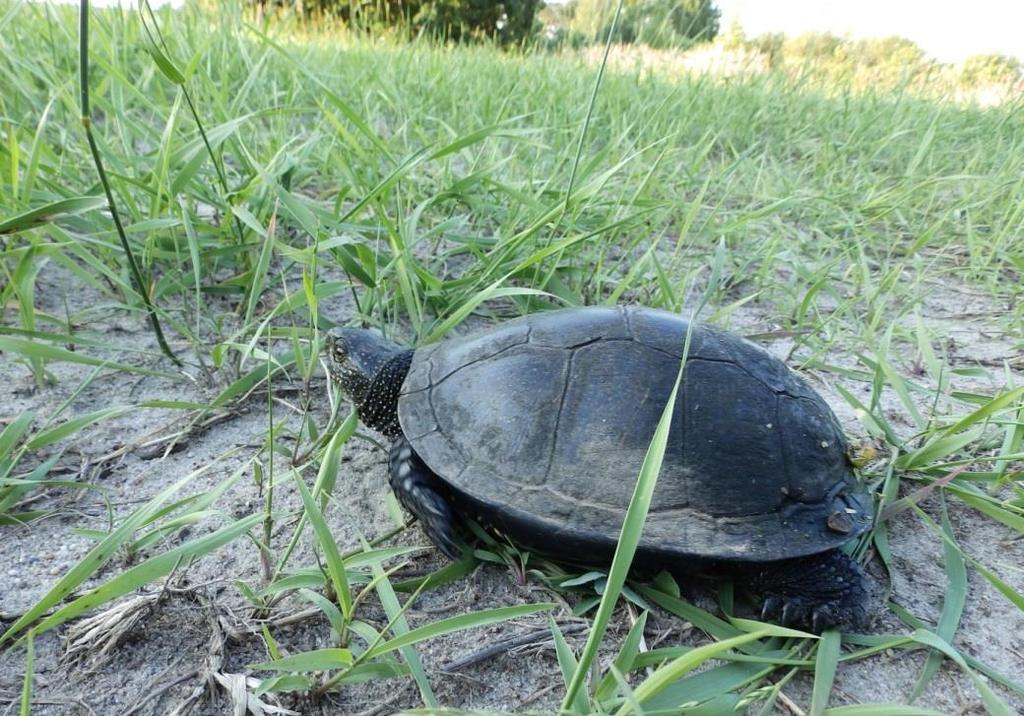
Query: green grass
427, 184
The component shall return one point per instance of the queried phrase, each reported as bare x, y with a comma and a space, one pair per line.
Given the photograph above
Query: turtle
537, 428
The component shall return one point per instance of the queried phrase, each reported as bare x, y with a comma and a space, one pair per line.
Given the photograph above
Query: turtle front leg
819, 592
416, 487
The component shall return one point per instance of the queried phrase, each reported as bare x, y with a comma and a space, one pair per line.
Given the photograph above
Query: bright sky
947, 30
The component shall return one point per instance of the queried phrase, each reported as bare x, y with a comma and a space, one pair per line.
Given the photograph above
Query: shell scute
542, 425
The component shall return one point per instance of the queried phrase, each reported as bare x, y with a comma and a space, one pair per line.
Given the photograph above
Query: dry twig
506, 645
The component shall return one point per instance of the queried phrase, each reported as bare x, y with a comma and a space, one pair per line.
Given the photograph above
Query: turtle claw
791, 612
815, 617
773, 604
821, 619
794, 613
826, 591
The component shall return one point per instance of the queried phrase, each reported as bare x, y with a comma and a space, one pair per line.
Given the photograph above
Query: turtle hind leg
417, 488
822, 591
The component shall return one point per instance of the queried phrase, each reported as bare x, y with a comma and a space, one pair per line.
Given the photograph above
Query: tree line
658, 23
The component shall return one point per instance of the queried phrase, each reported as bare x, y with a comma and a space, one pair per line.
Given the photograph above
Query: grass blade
86, 118
568, 665
99, 555
70, 427
149, 571
629, 536
26, 687
54, 353
590, 107
259, 275
624, 659
316, 660
952, 607
335, 565
825, 670
13, 433
457, 623
880, 710
400, 627
49, 213
327, 475
995, 705
672, 671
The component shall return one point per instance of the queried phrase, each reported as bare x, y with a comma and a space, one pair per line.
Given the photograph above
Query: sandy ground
200, 623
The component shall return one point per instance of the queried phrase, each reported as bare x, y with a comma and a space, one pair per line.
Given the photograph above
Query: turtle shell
540, 426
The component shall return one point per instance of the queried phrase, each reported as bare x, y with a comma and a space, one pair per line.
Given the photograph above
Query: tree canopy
658, 23
508, 21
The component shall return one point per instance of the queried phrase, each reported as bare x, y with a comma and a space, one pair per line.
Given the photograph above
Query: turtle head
369, 369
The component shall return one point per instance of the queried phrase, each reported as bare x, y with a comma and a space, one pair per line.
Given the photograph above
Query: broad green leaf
938, 448
258, 276
251, 379
704, 686
328, 607
704, 621
164, 63
985, 504
373, 671
491, 292
443, 575
284, 684
986, 411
